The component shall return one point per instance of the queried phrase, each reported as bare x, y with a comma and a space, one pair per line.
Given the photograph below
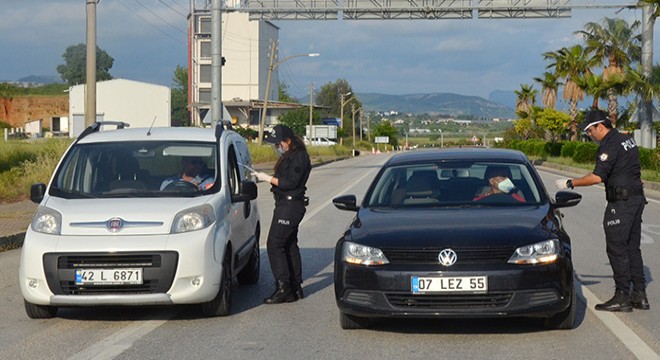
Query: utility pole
353, 112
368, 128
311, 111
361, 124
90, 71
262, 121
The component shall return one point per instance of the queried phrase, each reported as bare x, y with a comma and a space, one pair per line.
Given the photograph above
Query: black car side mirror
346, 202
37, 192
566, 199
248, 191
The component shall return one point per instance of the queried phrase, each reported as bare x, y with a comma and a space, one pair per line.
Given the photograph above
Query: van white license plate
109, 276
470, 284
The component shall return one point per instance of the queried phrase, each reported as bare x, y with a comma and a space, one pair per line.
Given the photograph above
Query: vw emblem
447, 257
115, 224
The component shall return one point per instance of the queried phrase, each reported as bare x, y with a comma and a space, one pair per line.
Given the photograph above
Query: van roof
156, 133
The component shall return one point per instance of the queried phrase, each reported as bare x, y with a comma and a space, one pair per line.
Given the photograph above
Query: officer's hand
263, 177
561, 184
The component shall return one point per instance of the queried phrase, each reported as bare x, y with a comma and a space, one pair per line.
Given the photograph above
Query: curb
10, 242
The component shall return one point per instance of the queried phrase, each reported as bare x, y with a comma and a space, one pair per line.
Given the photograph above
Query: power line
173, 9
163, 20
150, 23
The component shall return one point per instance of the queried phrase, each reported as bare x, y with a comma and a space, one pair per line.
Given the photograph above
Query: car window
452, 184
137, 169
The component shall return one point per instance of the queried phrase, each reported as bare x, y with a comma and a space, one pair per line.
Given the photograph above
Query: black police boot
620, 302
282, 294
639, 300
298, 292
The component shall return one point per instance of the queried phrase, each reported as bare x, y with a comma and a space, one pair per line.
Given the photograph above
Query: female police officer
288, 186
618, 166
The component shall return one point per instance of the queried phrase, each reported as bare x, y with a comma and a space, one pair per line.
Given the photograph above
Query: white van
122, 223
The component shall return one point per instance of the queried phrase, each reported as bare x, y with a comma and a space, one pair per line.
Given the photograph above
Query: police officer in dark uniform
288, 186
618, 166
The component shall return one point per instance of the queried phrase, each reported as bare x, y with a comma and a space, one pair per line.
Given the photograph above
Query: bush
568, 149
585, 152
553, 149
650, 158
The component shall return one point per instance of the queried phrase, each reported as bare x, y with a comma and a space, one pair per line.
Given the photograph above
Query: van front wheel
35, 311
219, 306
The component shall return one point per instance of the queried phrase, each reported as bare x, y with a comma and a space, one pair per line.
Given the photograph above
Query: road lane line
634, 343
327, 201
121, 340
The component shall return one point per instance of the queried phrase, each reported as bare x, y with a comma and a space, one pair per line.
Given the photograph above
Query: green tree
385, 128
283, 94
330, 97
619, 43
180, 112
549, 85
73, 71
526, 98
555, 122
297, 119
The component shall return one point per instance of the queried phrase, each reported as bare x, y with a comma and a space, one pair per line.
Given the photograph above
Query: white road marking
634, 343
121, 340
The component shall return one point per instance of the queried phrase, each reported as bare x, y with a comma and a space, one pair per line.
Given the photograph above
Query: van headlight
540, 253
47, 221
363, 255
192, 219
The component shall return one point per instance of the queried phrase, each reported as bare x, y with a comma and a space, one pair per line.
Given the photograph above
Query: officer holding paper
618, 167
288, 186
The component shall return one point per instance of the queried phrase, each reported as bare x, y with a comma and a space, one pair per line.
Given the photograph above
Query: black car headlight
540, 253
363, 255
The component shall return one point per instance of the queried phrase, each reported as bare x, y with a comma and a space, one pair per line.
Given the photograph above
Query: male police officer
618, 166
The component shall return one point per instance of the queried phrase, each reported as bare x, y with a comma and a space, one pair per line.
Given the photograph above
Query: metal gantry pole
90, 63
216, 61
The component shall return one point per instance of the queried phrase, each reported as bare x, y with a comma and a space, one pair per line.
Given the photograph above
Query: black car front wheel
351, 322
565, 320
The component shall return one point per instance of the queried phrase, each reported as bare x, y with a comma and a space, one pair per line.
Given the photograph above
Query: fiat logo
447, 257
115, 224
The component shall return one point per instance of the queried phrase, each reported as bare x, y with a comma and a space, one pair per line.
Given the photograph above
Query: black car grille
439, 302
158, 272
463, 255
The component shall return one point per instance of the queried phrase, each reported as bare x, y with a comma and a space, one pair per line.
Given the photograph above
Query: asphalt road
309, 329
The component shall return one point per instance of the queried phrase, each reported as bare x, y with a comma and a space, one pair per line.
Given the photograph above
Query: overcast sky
147, 39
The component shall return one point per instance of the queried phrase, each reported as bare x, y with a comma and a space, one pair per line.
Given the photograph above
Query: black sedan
456, 233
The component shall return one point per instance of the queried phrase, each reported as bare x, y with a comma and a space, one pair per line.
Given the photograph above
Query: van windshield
138, 169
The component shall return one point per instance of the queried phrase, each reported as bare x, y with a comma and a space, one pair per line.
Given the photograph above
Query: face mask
278, 149
506, 185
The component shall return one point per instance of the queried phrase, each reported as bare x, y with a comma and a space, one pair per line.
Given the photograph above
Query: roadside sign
382, 139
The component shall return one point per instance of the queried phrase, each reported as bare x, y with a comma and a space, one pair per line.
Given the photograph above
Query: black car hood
475, 226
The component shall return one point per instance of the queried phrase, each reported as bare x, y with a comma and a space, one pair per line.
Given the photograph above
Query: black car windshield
458, 184
137, 169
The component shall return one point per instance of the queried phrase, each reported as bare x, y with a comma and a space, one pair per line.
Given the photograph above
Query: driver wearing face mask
499, 179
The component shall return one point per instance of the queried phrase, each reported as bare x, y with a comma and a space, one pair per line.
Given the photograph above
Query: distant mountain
40, 79
504, 97
436, 103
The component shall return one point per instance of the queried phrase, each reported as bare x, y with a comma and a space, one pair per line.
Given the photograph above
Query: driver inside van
193, 171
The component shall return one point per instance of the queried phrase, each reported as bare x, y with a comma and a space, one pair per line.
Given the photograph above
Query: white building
246, 48
136, 103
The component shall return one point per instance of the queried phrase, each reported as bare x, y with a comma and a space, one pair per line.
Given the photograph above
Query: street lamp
272, 65
442, 139
354, 110
343, 102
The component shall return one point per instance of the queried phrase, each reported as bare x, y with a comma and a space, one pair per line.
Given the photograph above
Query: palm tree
656, 9
617, 42
572, 63
526, 98
549, 84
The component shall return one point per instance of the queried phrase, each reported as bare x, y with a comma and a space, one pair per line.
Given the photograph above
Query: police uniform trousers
282, 246
623, 232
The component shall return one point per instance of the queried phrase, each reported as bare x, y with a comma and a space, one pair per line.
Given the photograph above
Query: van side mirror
248, 191
37, 192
